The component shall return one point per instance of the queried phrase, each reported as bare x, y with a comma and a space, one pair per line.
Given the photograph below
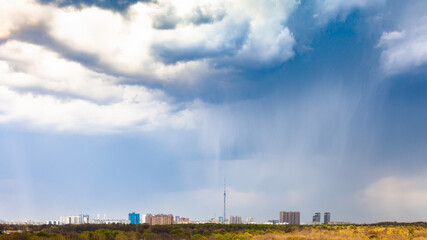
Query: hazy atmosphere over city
110, 107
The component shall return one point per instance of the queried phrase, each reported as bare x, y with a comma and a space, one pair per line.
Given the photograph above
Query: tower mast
225, 195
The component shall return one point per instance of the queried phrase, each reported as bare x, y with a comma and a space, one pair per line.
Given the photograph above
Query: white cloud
124, 42
268, 41
43, 90
406, 49
396, 197
25, 65
330, 9
18, 14
390, 37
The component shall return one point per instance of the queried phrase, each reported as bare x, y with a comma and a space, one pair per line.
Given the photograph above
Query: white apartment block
234, 220
81, 219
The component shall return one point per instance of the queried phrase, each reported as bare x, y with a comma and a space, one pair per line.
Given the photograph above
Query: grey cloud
219, 34
39, 35
120, 5
167, 19
233, 40
330, 10
206, 16
63, 96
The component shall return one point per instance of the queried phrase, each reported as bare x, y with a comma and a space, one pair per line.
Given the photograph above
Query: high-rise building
273, 221
181, 220
134, 218
149, 218
84, 218
327, 218
249, 219
289, 217
234, 219
316, 218
221, 220
111, 221
225, 197
212, 220
70, 220
159, 219
52, 222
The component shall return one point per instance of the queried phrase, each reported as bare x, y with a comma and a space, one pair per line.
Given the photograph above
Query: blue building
134, 218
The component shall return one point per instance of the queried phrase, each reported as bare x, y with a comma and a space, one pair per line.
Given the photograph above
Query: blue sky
120, 106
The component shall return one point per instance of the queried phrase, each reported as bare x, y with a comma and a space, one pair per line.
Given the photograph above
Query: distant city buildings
134, 218
69, 220
289, 217
159, 219
180, 220
234, 220
316, 218
212, 220
52, 222
149, 218
111, 221
274, 221
81, 219
25, 222
327, 218
285, 217
84, 218
142, 219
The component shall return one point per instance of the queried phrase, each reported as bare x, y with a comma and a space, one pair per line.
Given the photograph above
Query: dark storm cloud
323, 123
117, 5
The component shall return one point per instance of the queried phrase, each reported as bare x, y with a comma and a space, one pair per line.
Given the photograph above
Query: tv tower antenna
225, 195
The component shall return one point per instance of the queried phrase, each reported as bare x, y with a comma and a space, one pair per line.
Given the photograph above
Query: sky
110, 107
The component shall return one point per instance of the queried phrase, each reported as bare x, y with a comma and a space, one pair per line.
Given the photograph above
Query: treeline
141, 228
140, 231
420, 224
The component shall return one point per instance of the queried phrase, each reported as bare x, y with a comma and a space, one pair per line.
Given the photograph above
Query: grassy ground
353, 232
215, 231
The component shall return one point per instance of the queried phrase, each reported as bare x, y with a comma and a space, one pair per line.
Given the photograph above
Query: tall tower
225, 195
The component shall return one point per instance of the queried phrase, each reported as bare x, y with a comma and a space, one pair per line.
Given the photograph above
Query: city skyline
169, 219
110, 107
